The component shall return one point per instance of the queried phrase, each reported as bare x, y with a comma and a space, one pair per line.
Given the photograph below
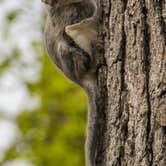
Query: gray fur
77, 64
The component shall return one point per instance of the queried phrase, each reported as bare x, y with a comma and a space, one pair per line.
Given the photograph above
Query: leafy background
42, 114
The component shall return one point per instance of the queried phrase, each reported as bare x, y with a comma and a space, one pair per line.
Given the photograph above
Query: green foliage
53, 133
8, 60
12, 15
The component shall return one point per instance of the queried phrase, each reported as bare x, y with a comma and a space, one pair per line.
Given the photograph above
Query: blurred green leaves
12, 15
53, 133
6, 63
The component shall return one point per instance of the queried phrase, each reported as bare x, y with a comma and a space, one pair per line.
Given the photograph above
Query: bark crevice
146, 68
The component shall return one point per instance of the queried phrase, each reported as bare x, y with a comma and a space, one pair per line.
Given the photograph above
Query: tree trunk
131, 106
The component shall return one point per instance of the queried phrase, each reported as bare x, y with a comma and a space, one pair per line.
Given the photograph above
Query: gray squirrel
71, 37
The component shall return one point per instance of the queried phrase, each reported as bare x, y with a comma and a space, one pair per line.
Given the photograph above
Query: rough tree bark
131, 106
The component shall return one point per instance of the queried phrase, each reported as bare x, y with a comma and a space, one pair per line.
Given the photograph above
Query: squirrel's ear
49, 2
